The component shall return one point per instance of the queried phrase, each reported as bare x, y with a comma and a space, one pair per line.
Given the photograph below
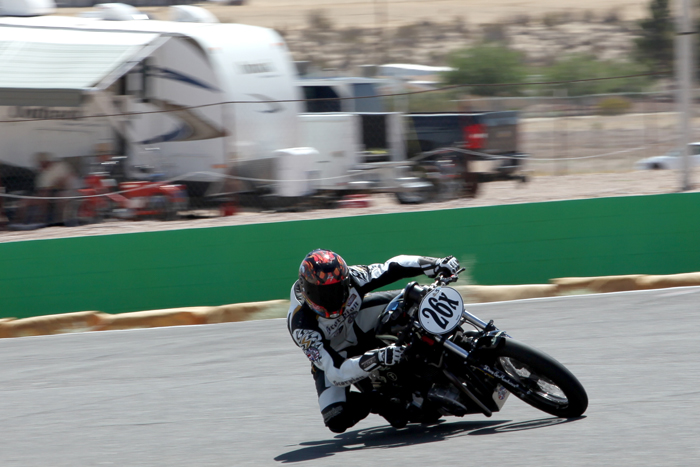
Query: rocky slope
344, 50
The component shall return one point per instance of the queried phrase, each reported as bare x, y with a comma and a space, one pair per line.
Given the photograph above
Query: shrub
655, 43
459, 25
432, 102
521, 20
614, 105
583, 66
495, 32
487, 64
407, 34
319, 20
588, 16
612, 16
556, 18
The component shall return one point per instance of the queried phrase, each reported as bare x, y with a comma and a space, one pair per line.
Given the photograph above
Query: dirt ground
538, 189
362, 13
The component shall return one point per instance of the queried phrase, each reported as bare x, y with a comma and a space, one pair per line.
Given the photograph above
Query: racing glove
384, 357
447, 266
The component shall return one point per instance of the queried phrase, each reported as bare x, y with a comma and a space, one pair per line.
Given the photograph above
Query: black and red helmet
325, 283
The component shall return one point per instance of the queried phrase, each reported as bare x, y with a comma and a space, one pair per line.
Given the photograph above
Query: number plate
441, 310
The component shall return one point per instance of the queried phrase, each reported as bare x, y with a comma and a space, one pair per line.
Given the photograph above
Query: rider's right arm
303, 327
339, 371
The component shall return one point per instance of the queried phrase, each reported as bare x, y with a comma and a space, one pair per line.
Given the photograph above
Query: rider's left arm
374, 276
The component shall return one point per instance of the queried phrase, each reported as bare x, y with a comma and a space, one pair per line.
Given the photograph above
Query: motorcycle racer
332, 318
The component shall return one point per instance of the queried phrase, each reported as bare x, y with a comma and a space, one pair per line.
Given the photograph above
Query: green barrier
512, 244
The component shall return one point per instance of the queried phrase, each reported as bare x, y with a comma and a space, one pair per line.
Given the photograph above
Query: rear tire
553, 388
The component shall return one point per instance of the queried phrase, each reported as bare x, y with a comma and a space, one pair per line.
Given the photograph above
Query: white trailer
219, 107
202, 100
26, 7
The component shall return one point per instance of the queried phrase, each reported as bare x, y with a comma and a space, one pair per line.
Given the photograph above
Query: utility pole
381, 24
684, 79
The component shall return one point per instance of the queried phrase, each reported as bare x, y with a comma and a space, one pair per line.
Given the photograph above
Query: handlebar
444, 280
415, 292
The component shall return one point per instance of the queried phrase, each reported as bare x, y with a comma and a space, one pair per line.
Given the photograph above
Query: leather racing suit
337, 347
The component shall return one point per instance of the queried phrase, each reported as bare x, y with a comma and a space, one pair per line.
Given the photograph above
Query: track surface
241, 394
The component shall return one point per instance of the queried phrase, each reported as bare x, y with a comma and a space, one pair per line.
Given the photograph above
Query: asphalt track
240, 394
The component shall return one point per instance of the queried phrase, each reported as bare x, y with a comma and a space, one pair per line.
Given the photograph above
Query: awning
54, 67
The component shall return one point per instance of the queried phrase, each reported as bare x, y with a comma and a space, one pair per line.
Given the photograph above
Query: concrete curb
624, 283
52, 324
500, 293
97, 321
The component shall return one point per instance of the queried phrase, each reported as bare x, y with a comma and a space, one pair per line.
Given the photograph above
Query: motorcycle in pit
103, 196
456, 364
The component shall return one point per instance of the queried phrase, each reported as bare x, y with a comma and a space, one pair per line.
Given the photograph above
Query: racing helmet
324, 279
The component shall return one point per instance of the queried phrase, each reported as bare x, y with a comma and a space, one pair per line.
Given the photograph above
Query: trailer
199, 102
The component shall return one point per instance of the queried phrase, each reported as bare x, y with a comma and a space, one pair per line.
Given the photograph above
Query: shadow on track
522, 426
386, 437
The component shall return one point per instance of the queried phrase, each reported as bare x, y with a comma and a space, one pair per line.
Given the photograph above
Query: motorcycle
104, 197
456, 364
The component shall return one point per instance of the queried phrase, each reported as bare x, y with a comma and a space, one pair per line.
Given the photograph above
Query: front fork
489, 329
491, 339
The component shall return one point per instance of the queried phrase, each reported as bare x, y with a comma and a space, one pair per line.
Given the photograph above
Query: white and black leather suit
337, 347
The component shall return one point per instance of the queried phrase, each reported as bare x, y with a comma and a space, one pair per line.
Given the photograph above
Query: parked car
670, 160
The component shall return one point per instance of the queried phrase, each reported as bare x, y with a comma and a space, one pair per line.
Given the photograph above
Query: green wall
513, 244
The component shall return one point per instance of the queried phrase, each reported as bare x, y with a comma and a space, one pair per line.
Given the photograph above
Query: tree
487, 64
654, 47
582, 66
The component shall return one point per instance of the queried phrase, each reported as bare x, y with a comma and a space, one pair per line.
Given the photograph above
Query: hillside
343, 35
286, 14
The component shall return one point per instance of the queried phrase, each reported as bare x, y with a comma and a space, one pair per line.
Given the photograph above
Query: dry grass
624, 138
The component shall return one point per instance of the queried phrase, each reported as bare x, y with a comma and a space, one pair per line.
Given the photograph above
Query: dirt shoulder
538, 189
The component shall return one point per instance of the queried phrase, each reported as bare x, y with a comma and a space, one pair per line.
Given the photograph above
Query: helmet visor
327, 300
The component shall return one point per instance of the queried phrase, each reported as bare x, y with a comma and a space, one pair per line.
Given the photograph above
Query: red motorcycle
152, 199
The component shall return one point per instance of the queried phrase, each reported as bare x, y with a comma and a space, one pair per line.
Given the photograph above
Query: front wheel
548, 385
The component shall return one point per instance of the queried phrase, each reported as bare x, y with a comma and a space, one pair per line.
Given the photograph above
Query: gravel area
538, 189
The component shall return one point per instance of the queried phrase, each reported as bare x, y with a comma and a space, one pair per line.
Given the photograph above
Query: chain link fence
596, 133
136, 3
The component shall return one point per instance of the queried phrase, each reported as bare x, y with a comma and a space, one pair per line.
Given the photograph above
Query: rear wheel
549, 386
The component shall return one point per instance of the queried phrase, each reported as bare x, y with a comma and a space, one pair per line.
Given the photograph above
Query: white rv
26, 7
219, 107
202, 100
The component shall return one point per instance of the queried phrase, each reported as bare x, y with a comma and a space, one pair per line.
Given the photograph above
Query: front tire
552, 388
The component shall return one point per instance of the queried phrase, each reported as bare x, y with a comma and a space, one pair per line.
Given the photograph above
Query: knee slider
338, 418
341, 416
